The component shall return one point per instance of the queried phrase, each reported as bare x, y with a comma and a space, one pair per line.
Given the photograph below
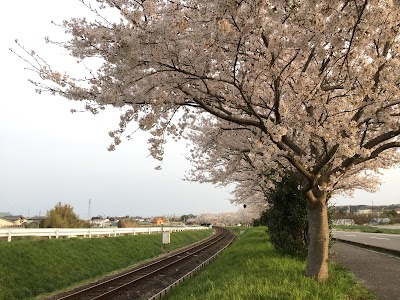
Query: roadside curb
370, 247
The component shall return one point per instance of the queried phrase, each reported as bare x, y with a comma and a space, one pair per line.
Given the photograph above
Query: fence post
9, 236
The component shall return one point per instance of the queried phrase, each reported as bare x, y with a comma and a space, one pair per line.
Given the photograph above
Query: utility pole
89, 209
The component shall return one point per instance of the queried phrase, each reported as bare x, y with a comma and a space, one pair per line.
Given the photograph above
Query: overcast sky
49, 155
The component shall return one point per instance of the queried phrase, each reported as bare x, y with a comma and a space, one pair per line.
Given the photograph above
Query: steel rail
148, 269
164, 291
207, 244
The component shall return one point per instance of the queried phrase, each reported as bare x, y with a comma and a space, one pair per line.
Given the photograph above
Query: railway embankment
31, 268
252, 269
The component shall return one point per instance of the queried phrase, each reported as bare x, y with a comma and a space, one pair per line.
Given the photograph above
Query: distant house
32, 224
158, 221
139, 219
111, 223
379, 221
99, 222
37, 218
35, 222
5, 223
16, 220
4, 214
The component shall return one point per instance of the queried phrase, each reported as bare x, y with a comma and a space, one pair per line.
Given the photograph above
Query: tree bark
318, 248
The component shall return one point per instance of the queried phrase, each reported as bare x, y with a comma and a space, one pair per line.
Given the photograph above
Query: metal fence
87, 232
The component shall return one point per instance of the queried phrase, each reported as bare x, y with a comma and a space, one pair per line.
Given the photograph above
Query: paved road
388, 241
378, 272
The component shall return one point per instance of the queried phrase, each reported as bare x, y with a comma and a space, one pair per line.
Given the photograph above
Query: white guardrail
88, 232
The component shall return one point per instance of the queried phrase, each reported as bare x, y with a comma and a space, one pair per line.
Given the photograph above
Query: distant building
158, 221
5, 223
364, 211
367, 209
16, 220
99, 222
35, 222
139, 219
111, 223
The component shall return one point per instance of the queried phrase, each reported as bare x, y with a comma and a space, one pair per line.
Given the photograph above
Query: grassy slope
365, 228
252, 269
30, 268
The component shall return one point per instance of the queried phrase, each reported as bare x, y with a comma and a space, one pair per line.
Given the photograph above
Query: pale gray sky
49, 155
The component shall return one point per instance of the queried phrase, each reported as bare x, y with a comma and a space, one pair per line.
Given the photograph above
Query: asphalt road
379, 273
388, 241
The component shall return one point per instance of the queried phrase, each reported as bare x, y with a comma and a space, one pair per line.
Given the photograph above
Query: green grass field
252, 269
32, 268
366, 228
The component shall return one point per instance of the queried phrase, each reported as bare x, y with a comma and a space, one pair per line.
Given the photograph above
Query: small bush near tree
127, 224
286, 219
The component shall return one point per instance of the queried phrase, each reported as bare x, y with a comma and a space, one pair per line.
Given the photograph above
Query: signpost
165, 236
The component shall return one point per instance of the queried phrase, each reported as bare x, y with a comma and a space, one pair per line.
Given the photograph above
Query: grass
252, 269
32, 268
366, 228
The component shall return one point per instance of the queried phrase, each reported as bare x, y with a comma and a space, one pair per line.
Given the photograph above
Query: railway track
153, 279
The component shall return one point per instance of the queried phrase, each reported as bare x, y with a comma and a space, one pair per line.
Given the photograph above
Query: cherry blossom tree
243, 216
307, 86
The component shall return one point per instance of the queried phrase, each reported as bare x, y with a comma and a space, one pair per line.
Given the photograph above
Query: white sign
166, 237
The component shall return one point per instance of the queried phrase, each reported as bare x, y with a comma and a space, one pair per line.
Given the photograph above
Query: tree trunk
318, 230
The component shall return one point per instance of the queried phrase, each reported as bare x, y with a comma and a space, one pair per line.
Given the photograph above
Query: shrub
127, 224
63, 216
286, 219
